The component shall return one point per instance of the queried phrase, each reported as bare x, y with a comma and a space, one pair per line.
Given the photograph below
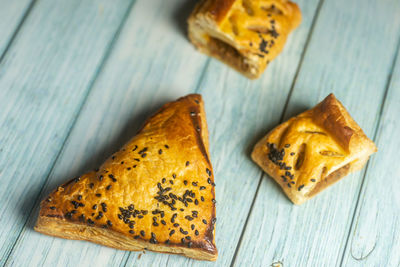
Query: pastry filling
227, 53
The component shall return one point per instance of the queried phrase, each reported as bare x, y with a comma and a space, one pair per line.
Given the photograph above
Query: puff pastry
308, 153
155, 193
245, 34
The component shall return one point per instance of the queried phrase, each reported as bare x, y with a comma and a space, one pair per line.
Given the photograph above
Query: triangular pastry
310, 152
155, 193
245, 34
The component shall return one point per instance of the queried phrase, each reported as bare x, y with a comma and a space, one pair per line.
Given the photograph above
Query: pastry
310, 152
155, 193
245, 34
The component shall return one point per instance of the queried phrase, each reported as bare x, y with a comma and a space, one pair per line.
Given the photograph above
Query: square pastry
245, 34
313, 150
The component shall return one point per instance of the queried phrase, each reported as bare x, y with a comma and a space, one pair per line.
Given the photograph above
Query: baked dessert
245, 34
310, 152
155, 193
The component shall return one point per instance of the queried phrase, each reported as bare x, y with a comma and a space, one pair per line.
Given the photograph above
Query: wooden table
78, 78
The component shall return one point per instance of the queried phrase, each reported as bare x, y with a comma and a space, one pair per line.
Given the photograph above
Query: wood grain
80, 77
337, 60
44, 78
12, 14
375, 235
237, 109
151, 63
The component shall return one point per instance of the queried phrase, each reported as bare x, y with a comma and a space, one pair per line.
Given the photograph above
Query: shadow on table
182, 14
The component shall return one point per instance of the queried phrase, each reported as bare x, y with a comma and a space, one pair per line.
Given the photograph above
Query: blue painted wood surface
77, 79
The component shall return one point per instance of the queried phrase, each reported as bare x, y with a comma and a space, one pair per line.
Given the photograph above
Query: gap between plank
73, 123
375, 137
314, 20
17, 29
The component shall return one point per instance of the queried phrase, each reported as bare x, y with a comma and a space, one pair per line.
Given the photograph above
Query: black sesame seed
190, 244
122, 162
213, 220
129, 168
196, 232
287, 145
104, 207
155, 224
163, 222
81, 205
185, 182
108, 187
174, 175
202, 187
89, 221
160, 151
208, 172
82, 218
142, 233
136, 236
301, 187
214, 201
174, 217
194, 183
176, 224
172, 232
109, 223
112, 178
187, 163
313, 180
79, 197
91, 185
192, 226
289, 185
98, 195
196, 202
131, 231
94, 206
144, 155
166, 146
292, 154
101, 178
202, 198
209, 180
183, 240
73, 211
52, 208
204, 221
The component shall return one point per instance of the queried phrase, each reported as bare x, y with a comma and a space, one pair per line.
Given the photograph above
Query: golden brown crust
245, 34
310, 152
157, 192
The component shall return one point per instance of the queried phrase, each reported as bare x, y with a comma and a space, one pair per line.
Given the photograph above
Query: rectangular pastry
313, 150
245, 34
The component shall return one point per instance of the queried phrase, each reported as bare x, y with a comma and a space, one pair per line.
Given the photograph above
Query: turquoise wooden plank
12, 14
236, 109
351, 55
151, 63
375, 235
44, 79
